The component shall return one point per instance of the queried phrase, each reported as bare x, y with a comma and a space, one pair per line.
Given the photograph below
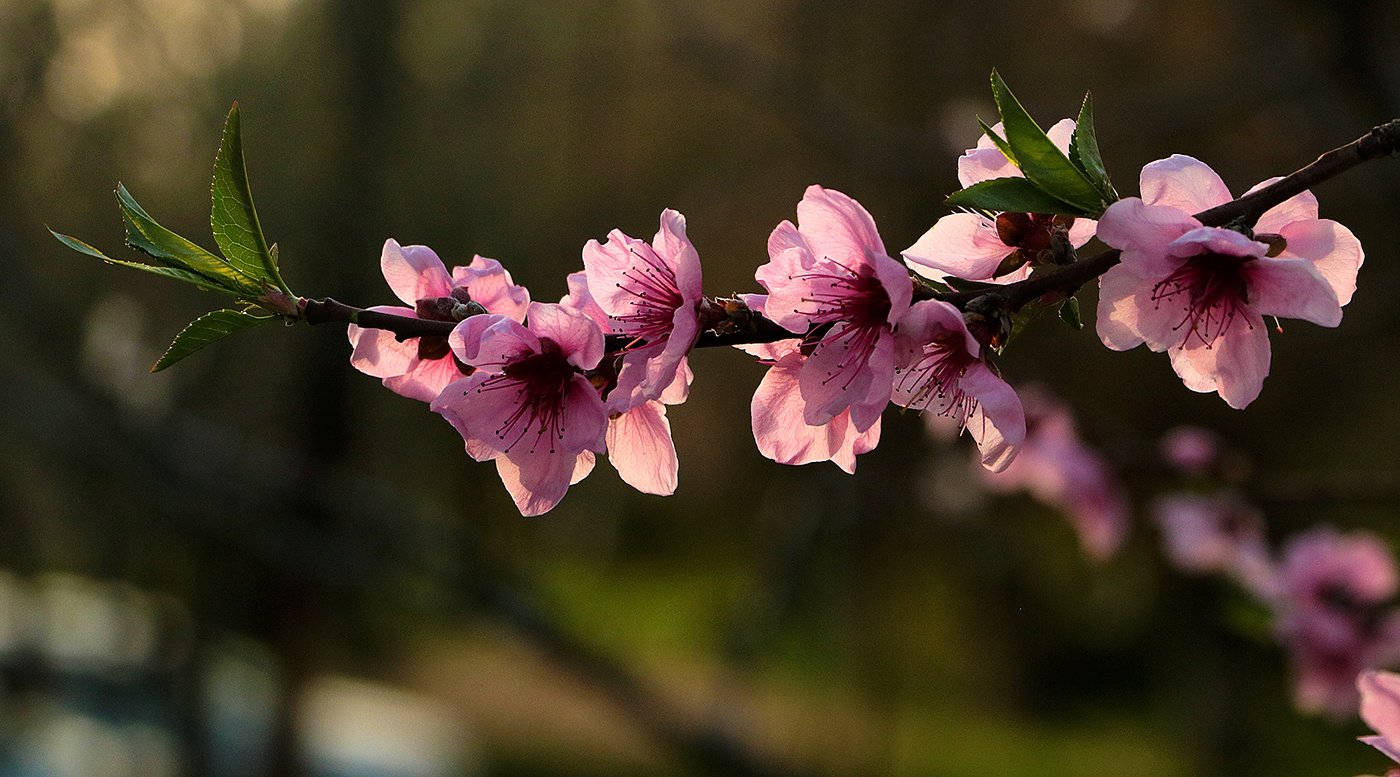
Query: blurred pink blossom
421, 367
1060, 470
1205, 533
974, 246
1191, 450
1200, 293
830, 281
1335, 615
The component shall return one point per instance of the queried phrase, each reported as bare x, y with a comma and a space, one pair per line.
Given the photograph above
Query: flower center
540, 382
1210, 290
656, 296
932, 382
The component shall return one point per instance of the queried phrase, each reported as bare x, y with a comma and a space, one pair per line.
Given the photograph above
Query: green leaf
1084, 150
1022, 319
233, 218
1069, 313
168, 272
206, 329
1017, 195
145, 235
998, 141
1038, 157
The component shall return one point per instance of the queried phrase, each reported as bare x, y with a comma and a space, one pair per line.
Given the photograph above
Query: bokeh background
260, 562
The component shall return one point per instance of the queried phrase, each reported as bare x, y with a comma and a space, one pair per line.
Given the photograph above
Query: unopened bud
1012, 227
435, 308
461, 294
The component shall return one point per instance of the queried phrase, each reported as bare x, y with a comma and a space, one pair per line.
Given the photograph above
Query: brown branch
736, 324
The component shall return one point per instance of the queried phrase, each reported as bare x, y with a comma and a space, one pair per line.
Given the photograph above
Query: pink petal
1332, 247
1380, 709
1292, 288
1143, 232
894, 279
930, 318
998, 424
986, 161
1061, 134
536, 481
489, 284
837, 228
679, 389
606, 265
1082, 231
963, 245
835, 378
672, 243
640, 447
414, 272
780, 431
490, 342
583, 466
377, 351
426, 379
1203, 240
1235, 365
1299, 207
580, 299
1184, 183
1124, 299
787, 257
575, 333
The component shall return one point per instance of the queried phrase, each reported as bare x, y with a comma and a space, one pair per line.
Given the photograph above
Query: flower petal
426, 379
1234, 366
1299, 207
1143, 233
998, 424
575, 333
964, 245
536, 481
1184, 183
1292, 288
1332, 247
489, 285
640, 447
378, 352
414, 272
837, 228
1380, 709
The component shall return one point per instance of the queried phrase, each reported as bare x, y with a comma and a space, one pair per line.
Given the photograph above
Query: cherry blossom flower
941, 370
421, 367
830, 280
1200, 293
776, 413
1191, 450
1380, 709
1062, 471
1000, 249
639, 440
1335, 615
1217, 533
651, 293
529, 405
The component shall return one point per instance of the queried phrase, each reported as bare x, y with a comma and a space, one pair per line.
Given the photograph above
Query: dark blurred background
261, 562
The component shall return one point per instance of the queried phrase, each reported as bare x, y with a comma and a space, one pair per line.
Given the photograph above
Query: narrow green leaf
1069, 313
168, 272
145, 235
1017, 195
206, 329
1084, 150
1039, 159
233, 217
998, 141
1022, 319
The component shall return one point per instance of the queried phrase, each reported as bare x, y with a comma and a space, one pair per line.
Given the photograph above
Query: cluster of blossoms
542, 389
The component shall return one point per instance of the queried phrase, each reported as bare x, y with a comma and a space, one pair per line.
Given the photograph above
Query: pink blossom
941, 370
776, 413
830, 280
1206, 533
1380, 709
975, 246
420, 367
1060, 470
1335, 615
1200, 293
651, 293
529, 405
1191, 450
639, 440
